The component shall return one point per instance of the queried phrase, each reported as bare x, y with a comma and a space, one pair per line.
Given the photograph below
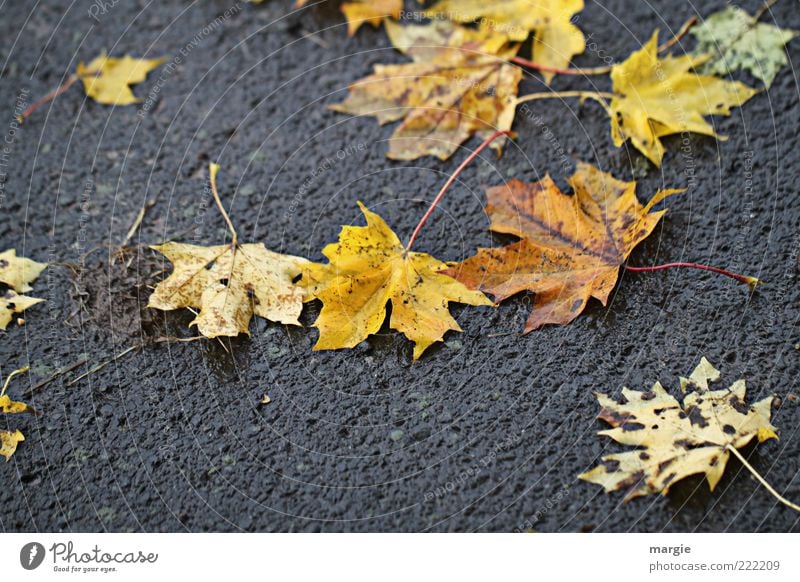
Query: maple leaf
17, 273
571, 247
737, 41
459, 85
229, 284
556, 38
656, 97
677, 441
107, 80
368, 268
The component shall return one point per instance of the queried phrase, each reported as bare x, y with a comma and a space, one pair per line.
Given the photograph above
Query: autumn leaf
9, 439
674, 441
571, 246
655, 97
229, 284
8, 442
459, 85
17, 273
107, 80
368, 268
372, 11
737, 41
556, 38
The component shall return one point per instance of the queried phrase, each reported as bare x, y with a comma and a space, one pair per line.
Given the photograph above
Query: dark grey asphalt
486, 432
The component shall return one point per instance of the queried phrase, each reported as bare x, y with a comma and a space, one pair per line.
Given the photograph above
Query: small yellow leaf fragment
674, 441
265, 399
359, 12
107, 80
17, 273
9, 441
8, 406
368, 268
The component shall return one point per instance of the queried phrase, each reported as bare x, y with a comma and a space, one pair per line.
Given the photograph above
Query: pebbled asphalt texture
486, 432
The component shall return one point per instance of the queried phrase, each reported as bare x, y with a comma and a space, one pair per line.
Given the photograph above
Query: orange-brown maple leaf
571, 246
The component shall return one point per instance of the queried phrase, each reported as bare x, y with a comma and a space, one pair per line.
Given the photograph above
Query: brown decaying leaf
572, 245
459, 85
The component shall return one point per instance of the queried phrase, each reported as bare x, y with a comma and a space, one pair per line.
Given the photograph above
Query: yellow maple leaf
368, 268
230, 283
107, 80
17, 273
677, 441
655, 97
556, 38
459, 85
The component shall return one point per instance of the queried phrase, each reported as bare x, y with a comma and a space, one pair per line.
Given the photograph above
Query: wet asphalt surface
486, 432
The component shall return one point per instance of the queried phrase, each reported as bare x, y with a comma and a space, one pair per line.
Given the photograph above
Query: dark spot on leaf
649, 395
728, 429
644, 456
631, 426
697, 418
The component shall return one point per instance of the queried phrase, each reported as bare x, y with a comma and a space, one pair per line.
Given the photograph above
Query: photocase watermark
31, 555
6, 148
101, 8
323, 167
543, 509
509, 29
474, 470
65, 558
169, 68
547, 133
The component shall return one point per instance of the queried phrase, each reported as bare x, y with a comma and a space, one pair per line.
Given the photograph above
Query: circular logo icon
31, 555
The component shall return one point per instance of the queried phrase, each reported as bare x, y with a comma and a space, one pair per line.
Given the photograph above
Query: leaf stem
22, 370
47, 98
546, 69
213, 169
683, 31
598, 96
751, 281
764, 9
761, 479
450, 181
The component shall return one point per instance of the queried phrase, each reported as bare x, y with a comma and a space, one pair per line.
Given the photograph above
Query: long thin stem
47, 98
761, 479
450, 181
546, 69
598, 96
751, 281
684, 30
11, 375
213, 169
764, 9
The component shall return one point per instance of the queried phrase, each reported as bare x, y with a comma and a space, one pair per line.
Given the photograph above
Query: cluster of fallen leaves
462, 81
